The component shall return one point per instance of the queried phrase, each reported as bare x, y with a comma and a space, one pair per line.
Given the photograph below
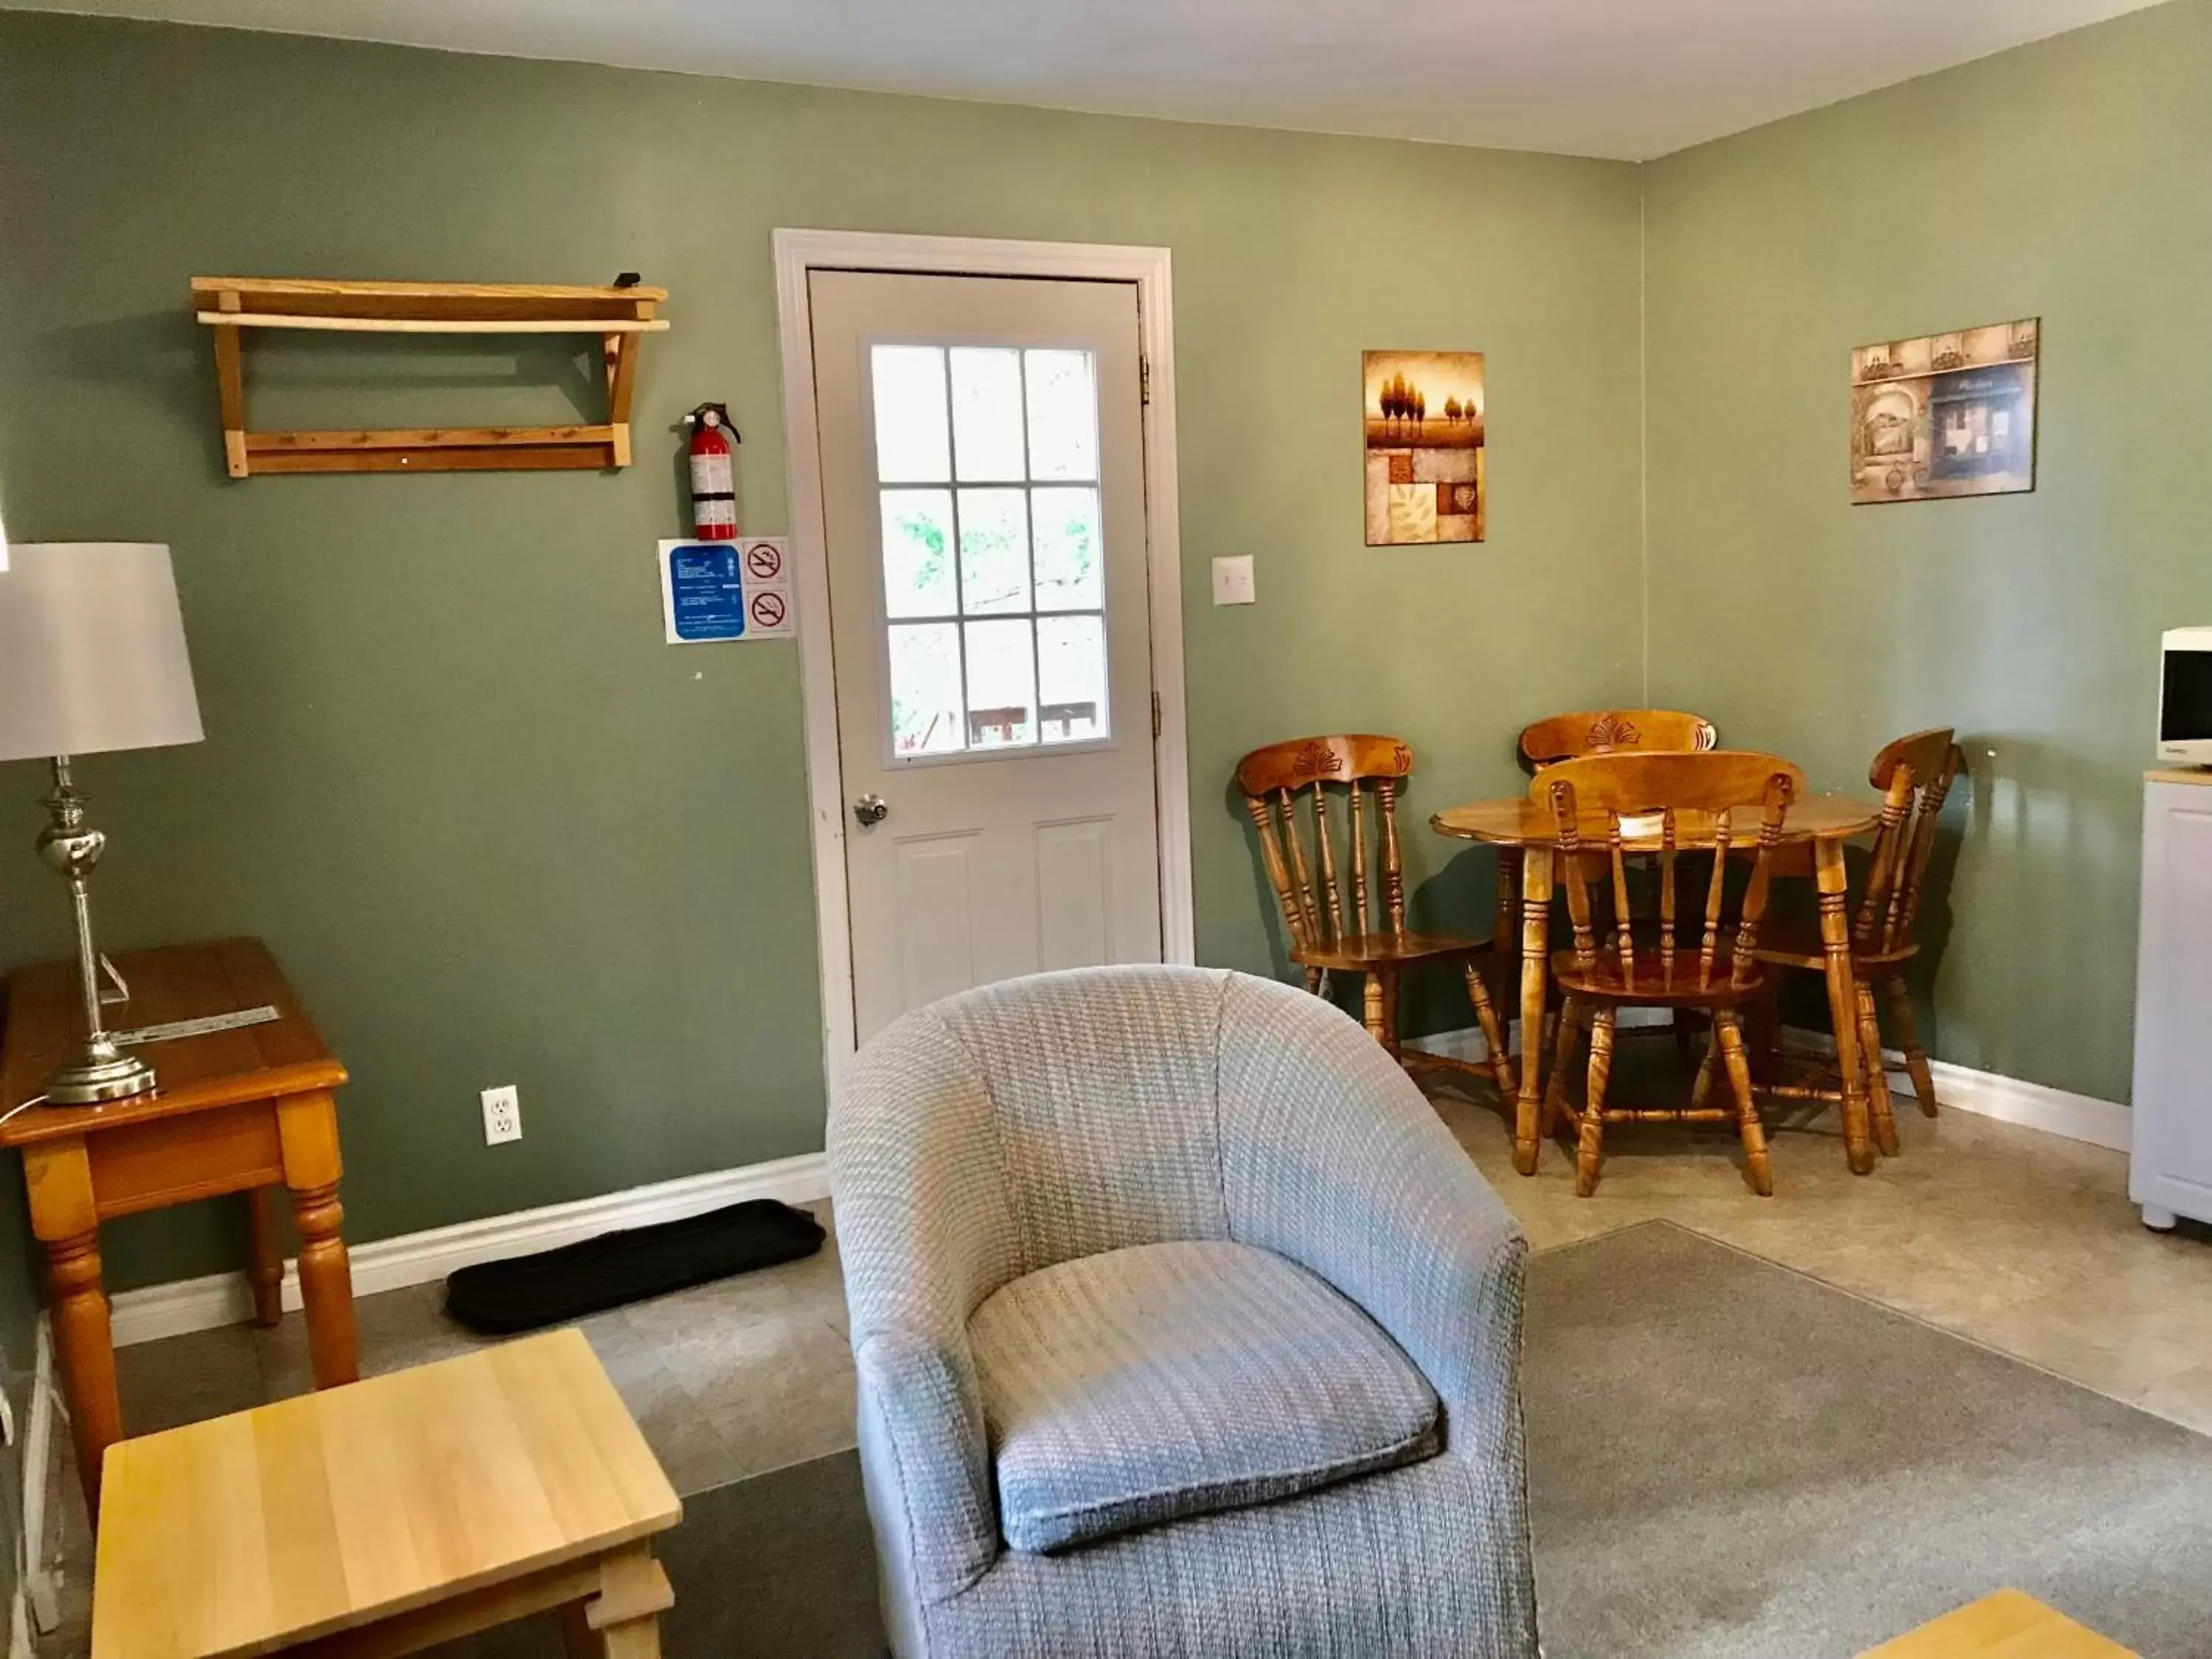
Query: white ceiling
1625, 78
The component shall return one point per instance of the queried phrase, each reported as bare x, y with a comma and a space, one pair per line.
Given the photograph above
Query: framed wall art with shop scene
1945, 415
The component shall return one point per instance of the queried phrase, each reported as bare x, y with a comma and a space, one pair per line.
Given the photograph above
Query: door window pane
986, 414
1069, 576
1072, 678
995, 551
911, 446
994, 590
1063, 414
918, 554
925, 664
1002, 684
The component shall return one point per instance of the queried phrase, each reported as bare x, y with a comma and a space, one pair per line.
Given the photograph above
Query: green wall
495, 829
497, 832
2066, 180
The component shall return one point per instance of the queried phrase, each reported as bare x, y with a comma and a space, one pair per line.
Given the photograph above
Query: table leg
264, 1256
1535, 967
58, 1176
1843, 1001
622, 1621
1505, 930
307, 1130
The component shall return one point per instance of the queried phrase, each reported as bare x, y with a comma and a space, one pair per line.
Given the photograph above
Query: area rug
1728, 1461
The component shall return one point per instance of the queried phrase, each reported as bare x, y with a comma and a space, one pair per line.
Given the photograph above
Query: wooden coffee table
387, 1515
2009, 1625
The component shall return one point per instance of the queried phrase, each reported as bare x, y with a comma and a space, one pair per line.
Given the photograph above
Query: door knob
871, 809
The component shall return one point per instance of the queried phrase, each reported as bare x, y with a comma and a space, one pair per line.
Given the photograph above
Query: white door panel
983, 500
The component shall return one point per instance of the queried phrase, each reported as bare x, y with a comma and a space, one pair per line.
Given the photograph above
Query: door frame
800, 252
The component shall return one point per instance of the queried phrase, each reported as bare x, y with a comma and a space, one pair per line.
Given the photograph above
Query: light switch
1232, 581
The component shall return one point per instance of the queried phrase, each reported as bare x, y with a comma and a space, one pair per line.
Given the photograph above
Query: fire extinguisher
713, 474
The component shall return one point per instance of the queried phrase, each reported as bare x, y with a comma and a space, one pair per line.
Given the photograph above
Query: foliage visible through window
995, 593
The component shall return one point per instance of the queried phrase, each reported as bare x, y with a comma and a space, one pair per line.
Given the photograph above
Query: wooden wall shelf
621, 317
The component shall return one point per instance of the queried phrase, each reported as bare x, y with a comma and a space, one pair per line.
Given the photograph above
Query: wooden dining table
1526, 835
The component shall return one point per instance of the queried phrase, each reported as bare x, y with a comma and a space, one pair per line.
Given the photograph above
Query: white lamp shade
92, 650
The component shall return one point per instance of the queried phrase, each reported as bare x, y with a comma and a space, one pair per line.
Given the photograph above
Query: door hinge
1144, 378
1156, 714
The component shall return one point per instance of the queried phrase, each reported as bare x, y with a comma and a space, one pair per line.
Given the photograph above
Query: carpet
1728, 1461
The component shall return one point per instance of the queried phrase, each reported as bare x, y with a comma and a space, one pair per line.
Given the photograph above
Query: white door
983, 495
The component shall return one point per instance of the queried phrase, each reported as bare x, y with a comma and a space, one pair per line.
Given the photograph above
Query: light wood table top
2009, 1625
331, 1511
1516, 821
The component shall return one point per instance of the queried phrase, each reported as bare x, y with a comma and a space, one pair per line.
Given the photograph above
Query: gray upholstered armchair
1182, 1327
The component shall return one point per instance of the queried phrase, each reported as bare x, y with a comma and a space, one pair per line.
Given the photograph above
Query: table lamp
92, 659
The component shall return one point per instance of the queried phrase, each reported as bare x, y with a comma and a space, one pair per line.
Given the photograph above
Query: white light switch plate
1232, 581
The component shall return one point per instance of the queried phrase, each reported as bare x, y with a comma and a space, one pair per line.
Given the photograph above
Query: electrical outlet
503, 1110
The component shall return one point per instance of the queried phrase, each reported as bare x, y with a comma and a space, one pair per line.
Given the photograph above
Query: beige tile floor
2013, 1238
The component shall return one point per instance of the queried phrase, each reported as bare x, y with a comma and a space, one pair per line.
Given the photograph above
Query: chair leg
1313, 982
1908, 1038
1728, 1034
1390, 978
1565, 1031
1590, 1145
1877, 1074
1493, 1034
1764, 1030
1708, 1069
1370, 1009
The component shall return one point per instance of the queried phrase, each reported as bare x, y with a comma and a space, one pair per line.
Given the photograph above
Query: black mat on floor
1726, 1461
554, 1287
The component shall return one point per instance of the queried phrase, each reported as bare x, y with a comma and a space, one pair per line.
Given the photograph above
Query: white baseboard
389, 1264
2014, 1100
1990, 1094
1986, 1094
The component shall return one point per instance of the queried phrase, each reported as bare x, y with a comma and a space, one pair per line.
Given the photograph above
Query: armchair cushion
1163, 1380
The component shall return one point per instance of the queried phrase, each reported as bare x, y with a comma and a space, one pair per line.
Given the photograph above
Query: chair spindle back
1318, 910
1693, 798
1914, 773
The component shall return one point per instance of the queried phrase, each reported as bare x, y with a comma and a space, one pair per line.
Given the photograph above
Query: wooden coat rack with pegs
620, 316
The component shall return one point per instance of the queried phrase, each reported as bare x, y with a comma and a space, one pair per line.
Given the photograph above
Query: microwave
2185, 696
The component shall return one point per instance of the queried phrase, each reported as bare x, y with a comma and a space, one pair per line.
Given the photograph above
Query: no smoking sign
713, 592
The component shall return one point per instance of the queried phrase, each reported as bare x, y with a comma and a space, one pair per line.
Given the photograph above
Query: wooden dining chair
1664, 803
1914, 773
1607, 731
1603, 731
1336, 926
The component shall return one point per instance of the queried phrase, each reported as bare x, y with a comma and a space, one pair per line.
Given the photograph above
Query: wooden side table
381, 1519
247, 1111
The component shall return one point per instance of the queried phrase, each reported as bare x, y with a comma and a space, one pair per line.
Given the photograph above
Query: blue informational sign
704, 590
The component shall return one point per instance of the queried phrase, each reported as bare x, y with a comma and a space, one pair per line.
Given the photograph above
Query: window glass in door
993, 595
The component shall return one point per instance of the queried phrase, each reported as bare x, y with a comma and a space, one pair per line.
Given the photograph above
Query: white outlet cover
1233, 582
502, 1113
